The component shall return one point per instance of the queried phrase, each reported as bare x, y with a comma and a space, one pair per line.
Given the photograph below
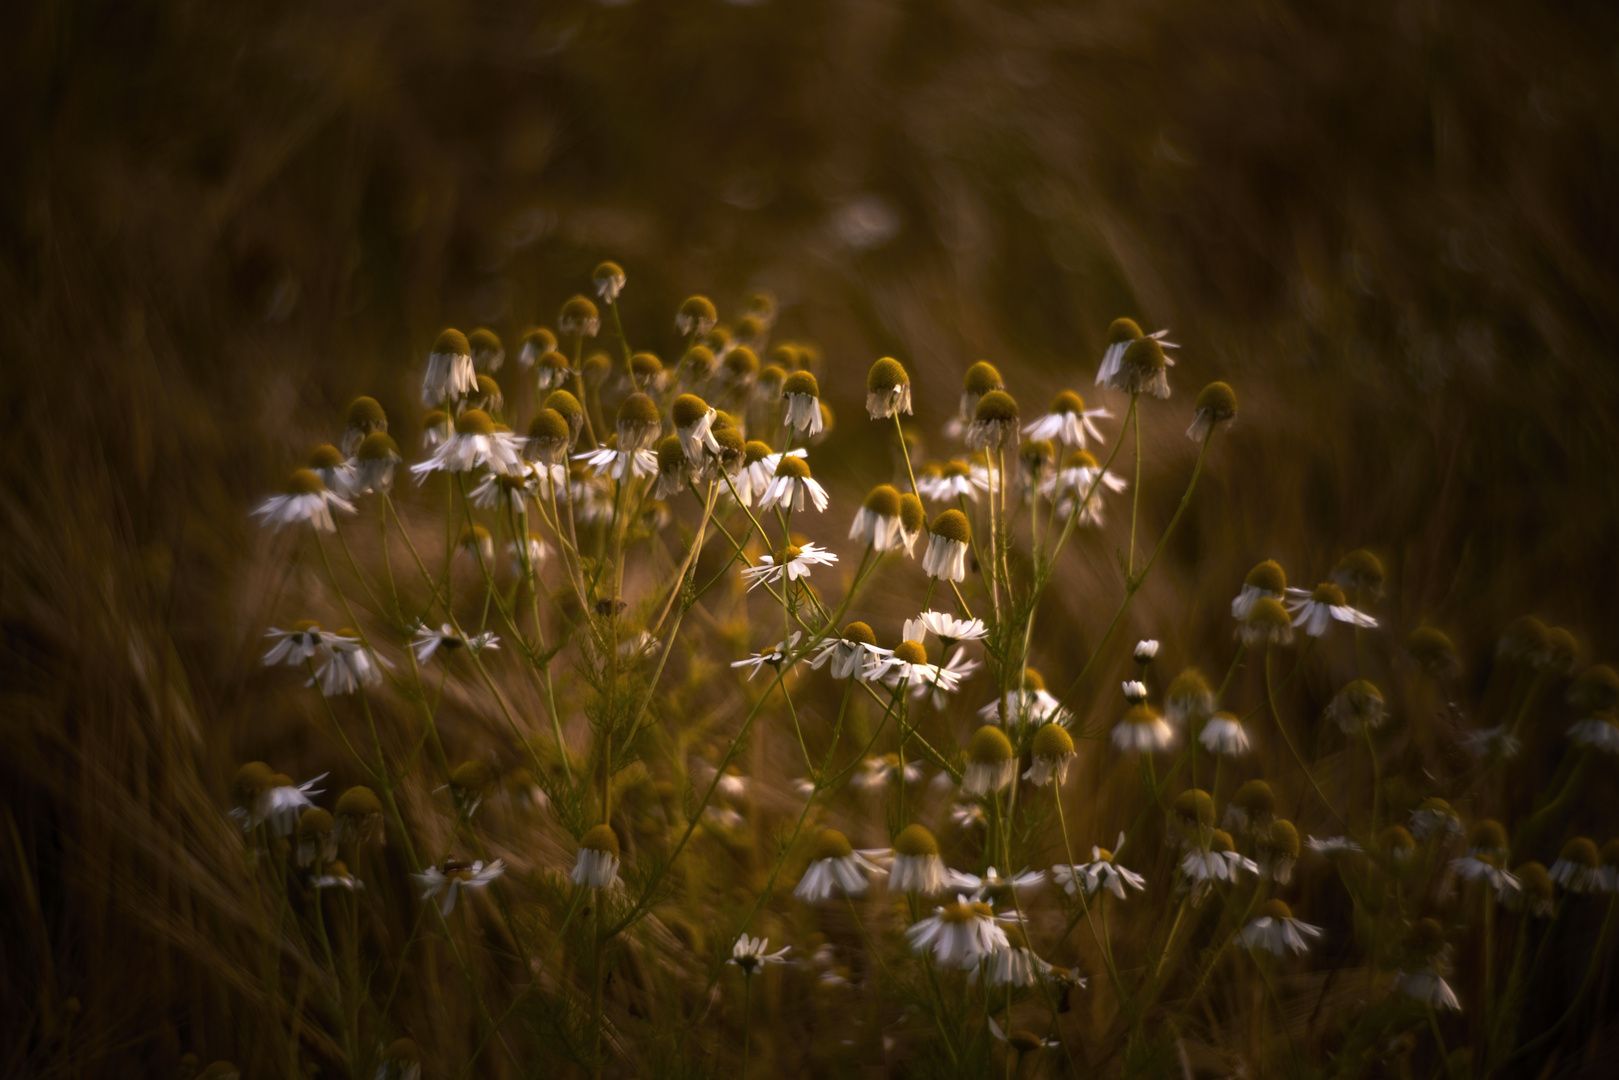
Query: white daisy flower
1275, 930
1434, 816
1025, 1041
1316, 611
437, 427
609, 279
306, 498
537, 341
279, 804
295, 646
1488, 869
793, 562
1579, 867
790, 487
774, 656
328, 463
1358, 706
1052, 750
1102, 872
959, 935
856, 653
991, 764
336, 875
947, 628
348, 665
616, 464
1079, 472
596, 865
1120, 336
450, 373
877, 523
835, 867
802, 400
428, 641
907, 665
536, 551
992, 886
446, 882
724, 817
956, 480
1264, 580
1143, 731
477, 443
375, 463
1135, 691
759, 469
749, 954
915, 866
1224, 735
1015, 964
1217, 862
1030, 704
877, 772
968, 815
949, 538
1599, 731
1068, 422
995, 422
1143, 368
504, 491
1146, 650
955, 671
475, 546
888, 389
694, 423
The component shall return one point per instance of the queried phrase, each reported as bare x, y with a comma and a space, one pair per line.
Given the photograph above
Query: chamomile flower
1025, 1042
485, 395
1216, 404
1143, 369
749, 954
1267, 623
1599, 731
1429, 956
693, 422
295, 646
567, 406
1579, 867
916, 866
955, 480
316, 835
792, 562
427, 641
616, 464
375, 462
1274, 929
328, 463
475, 444
991, 764
835, 867
475, 546
992, 887
1037, 465
854, 653
306, 498
981, 378
1188, 698
1068, 422
437, 427
1357, 707
1053, 752
791, 486
1217, 862
888, 389
279, 803
958, 669
1317, 611
596, 865
968, 815
948, 628
1031, 703
1610, 866
801, 398
335, 875
471, 782
1434, 817
1143, 731
1121, 334
533, 552
907, 666
1015, 964
1278, 850
877, 522
1191, 816
1535, 895
1395, 846
1079, 475
609, 279
876, 773
447, 881
1267, 579
536, 342
359, 816
1251, 809
1485, 859
346, 664
1102, 872
913, 521
363, 417
696, 316
579, 317
995, 422
774, 657
1225, 736
949, 538
450, 373
1135, 691
959, 935
400, 1061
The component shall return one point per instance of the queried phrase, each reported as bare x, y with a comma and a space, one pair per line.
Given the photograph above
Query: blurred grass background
1389, 225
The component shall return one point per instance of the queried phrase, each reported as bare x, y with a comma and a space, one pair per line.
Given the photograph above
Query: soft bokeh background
1389, 225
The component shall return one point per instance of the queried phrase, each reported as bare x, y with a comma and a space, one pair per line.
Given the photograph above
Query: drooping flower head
877, 522
609, 279
991, 765
1278, 849
995, 422
801, 397
1142, 730
536, 342
1251, 809
696, 316
579, 318
304, 499
1274, 929
834, 867
476, 443
596, 866
1225, 736
1265, 580
1316, 611
916, 867
1216, 404
450, 373
791, 485
1053, 750
447, 880
363, 416
1068, 421
1267, 623
982, 378
888, 389
1360, 570
1143, 369
1358, 707
1188, 698
1579, 867
376, 459
488, 354
949, 538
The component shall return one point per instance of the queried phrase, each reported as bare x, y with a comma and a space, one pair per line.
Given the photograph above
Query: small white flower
1014, 965
877, 529
791, 486
1434, 816
947, 628
1068, 422
596, 865
450, 373
1028, 705
793, 563
1224, 735
756, 476
279, 804
336, 876
835, 867
802, 404
1135, 691
877, 772
1121, 335
1492, 742
475, 444
348, 665
959, 935
774, 657
1146, 650
1486, 868
306, 499
945, 558
428, 641
1205, 865
1143, 731
1596, 732
295, 646
915, 865
1102, 872
968, 815
749, 954
907, 666
1275, 930
536, 550
1317, 611
616, 464
1079, 475
992, 886
852, 655
1579, 867
454, 876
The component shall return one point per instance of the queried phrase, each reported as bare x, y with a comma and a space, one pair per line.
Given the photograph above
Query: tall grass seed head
1216, 404
609, 279
696, 316
888, 389
579, 317
487, 351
